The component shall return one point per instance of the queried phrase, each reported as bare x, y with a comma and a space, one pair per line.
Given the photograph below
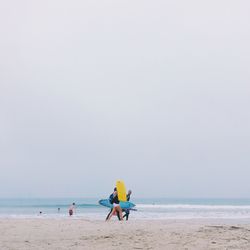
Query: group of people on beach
116, 210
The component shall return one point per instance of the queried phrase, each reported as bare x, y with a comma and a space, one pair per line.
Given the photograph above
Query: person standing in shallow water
72, 209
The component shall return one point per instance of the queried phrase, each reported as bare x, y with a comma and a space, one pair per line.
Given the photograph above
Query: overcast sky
156, 93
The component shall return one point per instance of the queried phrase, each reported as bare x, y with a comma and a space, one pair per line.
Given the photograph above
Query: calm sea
146, 208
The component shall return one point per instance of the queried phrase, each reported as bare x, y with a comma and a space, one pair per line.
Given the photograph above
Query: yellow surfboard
121, 190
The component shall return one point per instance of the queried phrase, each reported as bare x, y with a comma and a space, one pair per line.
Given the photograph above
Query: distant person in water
116, 206
72, 209
127, 210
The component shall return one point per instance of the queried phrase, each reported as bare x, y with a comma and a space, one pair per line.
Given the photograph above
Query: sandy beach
83, 234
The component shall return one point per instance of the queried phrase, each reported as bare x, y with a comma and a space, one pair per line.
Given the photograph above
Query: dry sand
82, 234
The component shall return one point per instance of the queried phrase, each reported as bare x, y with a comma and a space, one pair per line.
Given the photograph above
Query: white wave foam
192, 206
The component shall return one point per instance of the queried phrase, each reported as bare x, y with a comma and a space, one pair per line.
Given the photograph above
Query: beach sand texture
82, 234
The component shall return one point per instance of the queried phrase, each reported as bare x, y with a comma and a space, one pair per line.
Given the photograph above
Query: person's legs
119, 211
109, 213
118, 216
126, 214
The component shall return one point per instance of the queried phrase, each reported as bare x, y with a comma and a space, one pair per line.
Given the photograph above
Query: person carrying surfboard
127, 210
116, 206
111, 197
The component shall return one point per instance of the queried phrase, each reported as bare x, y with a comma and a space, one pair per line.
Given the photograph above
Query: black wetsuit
126, 210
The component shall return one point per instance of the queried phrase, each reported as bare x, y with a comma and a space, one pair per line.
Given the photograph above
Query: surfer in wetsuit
116, 206
127, 210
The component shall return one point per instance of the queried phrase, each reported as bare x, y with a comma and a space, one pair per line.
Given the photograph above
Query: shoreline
242, 221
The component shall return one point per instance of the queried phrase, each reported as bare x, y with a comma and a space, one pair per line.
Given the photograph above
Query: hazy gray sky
154, 92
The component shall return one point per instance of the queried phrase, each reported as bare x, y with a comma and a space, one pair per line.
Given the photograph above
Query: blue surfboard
123, 204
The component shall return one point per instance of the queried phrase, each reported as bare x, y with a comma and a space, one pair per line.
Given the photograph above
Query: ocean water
152, 209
